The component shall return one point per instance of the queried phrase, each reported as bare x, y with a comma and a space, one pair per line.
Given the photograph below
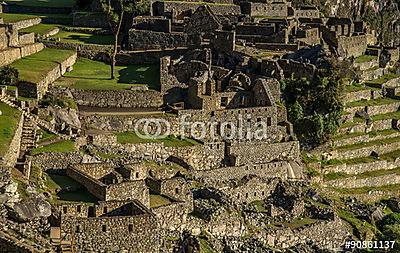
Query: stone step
357, 137
369, 179
365, 149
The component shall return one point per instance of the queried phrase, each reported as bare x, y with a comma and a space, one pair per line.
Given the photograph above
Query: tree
115, 11
8, 75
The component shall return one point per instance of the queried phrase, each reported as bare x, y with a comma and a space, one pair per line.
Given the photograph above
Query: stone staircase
61, 243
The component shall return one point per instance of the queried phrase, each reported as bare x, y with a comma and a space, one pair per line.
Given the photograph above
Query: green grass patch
298, 223
44, 3
372, 102
46, 17
365, 58
368, 144
386, 116
94, 75
65, 189
63, 146
35, 67
383, 79
46, 136
39, 29
368, 174
360, 227
169, 141
158, 200
84, 38
13, 18
8, 125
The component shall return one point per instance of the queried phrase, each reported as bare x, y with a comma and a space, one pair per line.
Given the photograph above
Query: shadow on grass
93, 39
70, 190
141, 74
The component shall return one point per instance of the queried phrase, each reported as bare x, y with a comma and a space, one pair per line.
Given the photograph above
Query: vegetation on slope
8, 124
314, 107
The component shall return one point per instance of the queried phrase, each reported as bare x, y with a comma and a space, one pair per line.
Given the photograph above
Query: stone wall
37, 90
366, 94
129, 190
172, 217
224, 174
254, 153
366, 151
137, 233
337, 231
358, 168
25, 23
94, 186
179, 9
141, 40
12, 154
271, 9
119, 98
56, 161
351, 46
354, 182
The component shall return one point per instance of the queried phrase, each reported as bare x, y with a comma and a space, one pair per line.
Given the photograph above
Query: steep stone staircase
60, 242
364, 156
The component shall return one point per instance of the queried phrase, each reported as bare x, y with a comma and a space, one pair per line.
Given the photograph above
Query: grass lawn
55, 18
390, 115
158, 200
46, 136
12, 18
369, 144
84, 38
63, 146
372, 102
383, 79
365, 58
368, 174
40, 29
8, 125
94, 75
44, 3
34, 67
65, 189
169, 141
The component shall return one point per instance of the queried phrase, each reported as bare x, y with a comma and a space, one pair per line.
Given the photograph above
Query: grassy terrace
365, 58
391, 156
34, 67
94, 75
374, 173
359, 86
370, 134
158, 200
391, 115
40, 28
8, 125
12, 17
372, 102
369, 144
63, 146
383, 79
84, 38
169, 141
363, 190
44, 3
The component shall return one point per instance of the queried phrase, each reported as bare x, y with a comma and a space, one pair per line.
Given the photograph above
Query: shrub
8, 75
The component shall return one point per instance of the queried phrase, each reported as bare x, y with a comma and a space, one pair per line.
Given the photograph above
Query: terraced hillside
364, 156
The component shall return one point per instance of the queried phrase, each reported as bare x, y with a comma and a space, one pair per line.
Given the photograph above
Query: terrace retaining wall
12, 154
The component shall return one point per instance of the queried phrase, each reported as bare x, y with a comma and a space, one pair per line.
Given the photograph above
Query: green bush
8, 75
314, 107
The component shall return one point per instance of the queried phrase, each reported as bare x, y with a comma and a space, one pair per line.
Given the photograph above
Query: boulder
30, 209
